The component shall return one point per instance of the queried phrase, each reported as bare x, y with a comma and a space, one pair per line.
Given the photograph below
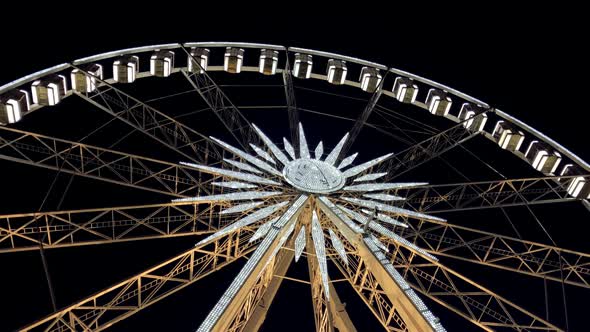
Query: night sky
525, 64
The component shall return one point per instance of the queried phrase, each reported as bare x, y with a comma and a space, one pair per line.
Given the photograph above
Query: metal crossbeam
128, 297
463, 296
21, 232
150, 121
426, 150
488, 194
98, 163
504, 252
292, 110
231, 117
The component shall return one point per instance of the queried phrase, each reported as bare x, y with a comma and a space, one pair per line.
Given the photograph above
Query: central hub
313, 176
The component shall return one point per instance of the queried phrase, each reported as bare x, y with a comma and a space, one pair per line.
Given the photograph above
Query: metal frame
365, 271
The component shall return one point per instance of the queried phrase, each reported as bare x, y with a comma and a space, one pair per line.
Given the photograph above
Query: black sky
531, 63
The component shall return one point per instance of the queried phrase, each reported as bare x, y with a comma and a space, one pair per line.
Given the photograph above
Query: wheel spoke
161, 127
292, 110
130, 296
426, 150
488, 194
98, 163
364, 116
499, 251
231, 117
463, 296
27, 231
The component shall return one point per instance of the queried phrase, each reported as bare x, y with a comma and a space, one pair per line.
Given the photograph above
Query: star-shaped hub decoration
273, 188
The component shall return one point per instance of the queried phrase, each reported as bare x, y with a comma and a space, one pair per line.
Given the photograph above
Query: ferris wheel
388, 221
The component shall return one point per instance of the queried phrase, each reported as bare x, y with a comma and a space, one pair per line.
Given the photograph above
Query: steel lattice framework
395, 243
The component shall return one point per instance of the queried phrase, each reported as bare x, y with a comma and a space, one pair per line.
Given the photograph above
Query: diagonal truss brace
504, 252
98, 163
128, 297
463, 296
21, 232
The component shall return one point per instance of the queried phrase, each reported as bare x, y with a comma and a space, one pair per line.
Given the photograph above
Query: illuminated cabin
162, 63
268, 62
81, 82
198, 56
337, 71
125, 69
13, 105
233, 60
508, 137
438, 102
577, 187
370, 79
405, 90
49, 91
302, 65
475, 116
542, 157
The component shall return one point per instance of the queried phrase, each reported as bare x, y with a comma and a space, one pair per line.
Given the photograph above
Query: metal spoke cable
330, 93
428, 129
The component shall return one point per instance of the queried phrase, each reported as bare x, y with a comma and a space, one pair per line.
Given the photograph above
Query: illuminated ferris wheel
380, 220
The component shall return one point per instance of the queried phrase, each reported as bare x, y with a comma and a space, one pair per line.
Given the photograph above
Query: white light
303, 150
540, 159
383, 186
255, 161
347, 161
369, 177
528, 150
299, 243
333, 156
35, 92
557, 162
363, 167
262, 154
497, 128
273, 148
319, 150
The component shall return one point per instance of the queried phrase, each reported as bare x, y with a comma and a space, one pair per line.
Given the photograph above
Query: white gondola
162, 63
199, 56
125, 69
337, 71
233, 60
438, 102
81, 82
370, 79
268, 62
302, 66
475, 116
542, 157
577, 187
405, 90
508, 137
13, 105
49, 91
